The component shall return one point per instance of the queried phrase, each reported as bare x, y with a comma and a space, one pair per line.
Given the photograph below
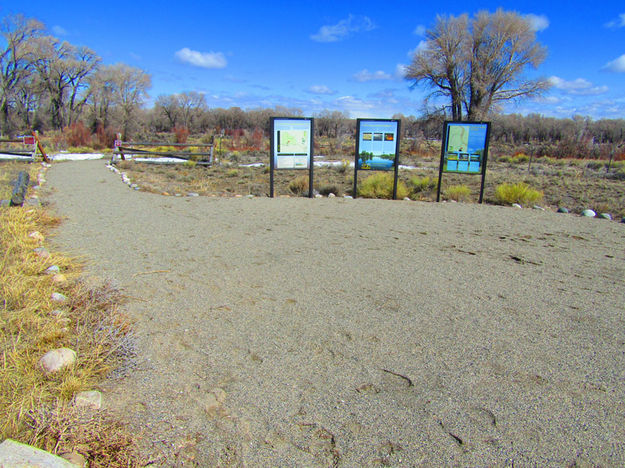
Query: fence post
19, 190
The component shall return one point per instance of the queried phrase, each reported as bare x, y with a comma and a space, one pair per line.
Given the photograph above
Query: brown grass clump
35, 408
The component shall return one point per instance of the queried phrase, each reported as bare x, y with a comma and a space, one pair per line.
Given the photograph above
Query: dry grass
35, 408
575, 184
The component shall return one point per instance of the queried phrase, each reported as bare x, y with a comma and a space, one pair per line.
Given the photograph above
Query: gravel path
332, 332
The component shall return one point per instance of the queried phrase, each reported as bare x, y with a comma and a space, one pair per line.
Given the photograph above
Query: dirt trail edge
333, 332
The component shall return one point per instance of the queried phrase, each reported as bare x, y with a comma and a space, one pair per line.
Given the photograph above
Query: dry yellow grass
35, 408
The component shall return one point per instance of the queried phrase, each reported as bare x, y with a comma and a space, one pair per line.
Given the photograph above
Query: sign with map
292, 146
464, 147
377, 144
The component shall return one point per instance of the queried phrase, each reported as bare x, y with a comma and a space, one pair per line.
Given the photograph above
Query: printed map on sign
458, 138
293, 142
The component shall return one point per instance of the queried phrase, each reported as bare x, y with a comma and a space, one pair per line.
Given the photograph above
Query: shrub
328, 189
299, 185
232, 173
77, 135
423, 184
380, 185
457, 192
181, 134
104, 137
517, 193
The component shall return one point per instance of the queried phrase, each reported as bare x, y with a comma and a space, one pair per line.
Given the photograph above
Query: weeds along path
332, 332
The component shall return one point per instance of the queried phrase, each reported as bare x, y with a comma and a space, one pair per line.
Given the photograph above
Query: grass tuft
460, 193
380, 185
520, 193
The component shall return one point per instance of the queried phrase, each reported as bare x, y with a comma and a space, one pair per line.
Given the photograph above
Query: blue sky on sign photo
345, 56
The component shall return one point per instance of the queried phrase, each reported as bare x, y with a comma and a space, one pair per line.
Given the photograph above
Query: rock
75, 458
57, 313
406, 198
348, 197
540, 208
516, 205
214, 399
193, 194
331, 195
318, 196
34, 201
605, 216
59, 278
623, 220
41, 252
36, 235
52, 270
132, 186
91, 399
250, 196
58, 297
563, 210
165, 193
57, 359
589, 213
15, 454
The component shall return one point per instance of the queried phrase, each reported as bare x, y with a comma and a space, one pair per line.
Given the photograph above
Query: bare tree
130, 89
167, 105
479, 62
15, 62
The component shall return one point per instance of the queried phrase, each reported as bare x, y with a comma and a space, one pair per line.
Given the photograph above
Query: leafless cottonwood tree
479, 62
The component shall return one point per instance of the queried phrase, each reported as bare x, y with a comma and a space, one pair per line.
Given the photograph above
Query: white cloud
356, 106
538, 22
320, 89
343, 29
421, 46
59, 30
400, 71
617, 23
617, 65
419, 30
578, 87
201, 59
366, 75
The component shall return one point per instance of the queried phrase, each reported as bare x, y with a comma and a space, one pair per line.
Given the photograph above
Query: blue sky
337, 55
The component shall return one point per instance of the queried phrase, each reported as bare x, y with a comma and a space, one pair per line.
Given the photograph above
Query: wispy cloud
366, 75
617, 23
419, 30
343, 29
400, 71
422, 45
59, 30
202, 59
538, 22
577, 87
617, 65
319, 89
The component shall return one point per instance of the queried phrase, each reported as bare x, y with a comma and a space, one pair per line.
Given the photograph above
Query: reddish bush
181, 133
77, 135
103, 138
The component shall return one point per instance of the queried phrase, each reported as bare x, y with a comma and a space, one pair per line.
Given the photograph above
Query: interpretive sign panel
377, 144
291, 146
377, 148
464, 147
464, 150
292, 143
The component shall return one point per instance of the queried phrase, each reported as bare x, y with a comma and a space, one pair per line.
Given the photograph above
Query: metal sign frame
384, 135
274, 142
463, 155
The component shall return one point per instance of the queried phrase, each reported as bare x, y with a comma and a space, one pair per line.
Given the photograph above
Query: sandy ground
332, 332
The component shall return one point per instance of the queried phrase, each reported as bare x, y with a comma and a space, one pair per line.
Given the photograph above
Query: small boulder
406, 198
75, 459
331, 195
516, 205
539, 208
36, 235
318, 195
16, 454
41, 252
193, 194
58, 297
605, 216
589, 213
563, 210
52, 270
348, 197
57, 359
91, 399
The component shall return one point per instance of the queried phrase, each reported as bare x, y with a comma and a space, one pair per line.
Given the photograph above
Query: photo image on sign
292, 142
377, 145
465, 148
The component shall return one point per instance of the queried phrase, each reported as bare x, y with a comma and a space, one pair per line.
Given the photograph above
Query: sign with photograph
292, 143
464, 146
377, 144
